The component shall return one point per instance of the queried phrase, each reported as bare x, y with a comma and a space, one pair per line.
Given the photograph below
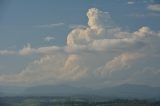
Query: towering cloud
98, 54
98, 21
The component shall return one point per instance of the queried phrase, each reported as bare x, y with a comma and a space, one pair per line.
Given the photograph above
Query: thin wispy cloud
7, 52
142, 15
154, 7
131, 2
50, 25
49, 38
73, 26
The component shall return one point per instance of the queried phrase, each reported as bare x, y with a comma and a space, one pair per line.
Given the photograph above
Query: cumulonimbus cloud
97, 54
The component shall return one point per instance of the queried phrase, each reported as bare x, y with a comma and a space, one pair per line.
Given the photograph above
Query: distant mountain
11, 90
125, 91
130, 91
1, 94
60, 90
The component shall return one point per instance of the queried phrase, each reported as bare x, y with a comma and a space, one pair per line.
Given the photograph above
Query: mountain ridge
120, 91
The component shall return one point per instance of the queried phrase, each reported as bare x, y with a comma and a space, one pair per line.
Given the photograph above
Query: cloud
7, 52
97, 22
50, 25
119, 63
28, 50
49, 38
76, 26
131, 2
154, 7
100, 53
142, 15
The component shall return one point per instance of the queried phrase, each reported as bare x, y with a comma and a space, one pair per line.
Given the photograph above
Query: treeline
48, 101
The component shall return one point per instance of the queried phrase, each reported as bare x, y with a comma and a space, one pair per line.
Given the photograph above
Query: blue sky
41, 26
20, 16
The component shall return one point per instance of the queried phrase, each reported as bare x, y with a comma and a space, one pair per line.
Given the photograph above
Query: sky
89, 43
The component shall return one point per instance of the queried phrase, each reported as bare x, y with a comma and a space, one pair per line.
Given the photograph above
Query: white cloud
28, 50
118, 63
76, 26
96, 54
142, 15
131, 2
49, 38
97, 22
7, 52
98, 19
154, 7
50, 25
144, 32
